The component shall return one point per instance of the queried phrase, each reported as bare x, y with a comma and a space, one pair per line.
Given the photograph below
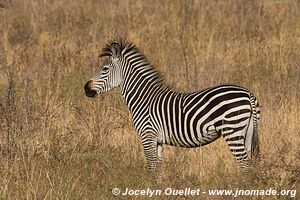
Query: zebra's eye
105, 68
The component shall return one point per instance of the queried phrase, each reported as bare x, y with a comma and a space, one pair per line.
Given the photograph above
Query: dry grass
57, 144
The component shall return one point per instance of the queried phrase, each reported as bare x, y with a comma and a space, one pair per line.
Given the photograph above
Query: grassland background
57, 144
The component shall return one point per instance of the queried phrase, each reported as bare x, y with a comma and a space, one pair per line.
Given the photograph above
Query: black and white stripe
163, 116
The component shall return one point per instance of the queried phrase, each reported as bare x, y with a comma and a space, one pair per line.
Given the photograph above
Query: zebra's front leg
159, 163
150, 147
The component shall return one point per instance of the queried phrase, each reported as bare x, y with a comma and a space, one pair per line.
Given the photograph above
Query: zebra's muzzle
89, 92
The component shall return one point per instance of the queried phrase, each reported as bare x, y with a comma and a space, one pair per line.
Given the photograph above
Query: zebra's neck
140, 84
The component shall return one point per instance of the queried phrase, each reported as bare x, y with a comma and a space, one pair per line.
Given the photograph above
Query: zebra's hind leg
236, 143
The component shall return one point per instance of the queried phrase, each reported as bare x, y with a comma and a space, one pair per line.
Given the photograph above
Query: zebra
161, 115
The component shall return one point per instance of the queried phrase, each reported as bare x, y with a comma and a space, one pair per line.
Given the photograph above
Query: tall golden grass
57, 144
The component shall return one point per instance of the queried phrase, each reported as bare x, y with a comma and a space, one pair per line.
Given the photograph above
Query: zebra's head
108, 76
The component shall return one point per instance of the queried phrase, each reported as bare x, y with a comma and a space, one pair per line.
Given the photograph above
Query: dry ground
57, 144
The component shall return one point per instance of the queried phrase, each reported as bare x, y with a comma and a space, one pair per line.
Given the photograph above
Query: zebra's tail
251, 140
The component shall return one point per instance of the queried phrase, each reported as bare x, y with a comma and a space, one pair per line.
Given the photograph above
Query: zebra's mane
127, 46
124, 44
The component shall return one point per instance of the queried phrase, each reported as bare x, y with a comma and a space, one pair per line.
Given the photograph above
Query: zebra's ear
115, 49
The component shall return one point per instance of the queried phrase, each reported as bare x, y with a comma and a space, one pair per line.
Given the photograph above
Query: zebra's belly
191, 139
